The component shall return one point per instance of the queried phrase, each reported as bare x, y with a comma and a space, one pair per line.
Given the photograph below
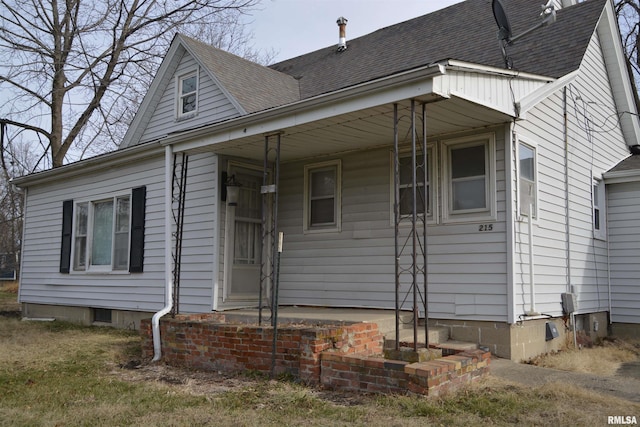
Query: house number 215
485, 227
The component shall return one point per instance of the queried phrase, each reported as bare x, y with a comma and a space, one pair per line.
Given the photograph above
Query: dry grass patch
9, 297
61, 374
604, 359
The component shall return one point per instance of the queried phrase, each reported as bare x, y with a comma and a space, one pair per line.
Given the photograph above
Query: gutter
456, 65
619, 177
102, 161
155, 320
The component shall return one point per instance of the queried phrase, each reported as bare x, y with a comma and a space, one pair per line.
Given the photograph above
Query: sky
294, 27
290, 28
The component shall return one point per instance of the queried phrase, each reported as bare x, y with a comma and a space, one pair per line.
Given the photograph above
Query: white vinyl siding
624, 238
592, 150
355, 267
41, 283
212, 104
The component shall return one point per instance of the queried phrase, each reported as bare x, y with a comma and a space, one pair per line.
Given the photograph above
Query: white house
322, 145
623, 211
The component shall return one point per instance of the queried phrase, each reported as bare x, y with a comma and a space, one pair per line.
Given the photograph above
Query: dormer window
187, 96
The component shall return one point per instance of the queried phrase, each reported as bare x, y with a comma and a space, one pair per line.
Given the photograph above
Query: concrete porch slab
314, 316
385, 319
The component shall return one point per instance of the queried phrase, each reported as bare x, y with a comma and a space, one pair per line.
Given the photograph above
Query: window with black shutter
105, 234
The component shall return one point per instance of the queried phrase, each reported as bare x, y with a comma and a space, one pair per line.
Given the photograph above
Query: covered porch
399, 120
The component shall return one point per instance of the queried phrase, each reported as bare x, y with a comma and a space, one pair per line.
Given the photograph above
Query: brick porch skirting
342, 357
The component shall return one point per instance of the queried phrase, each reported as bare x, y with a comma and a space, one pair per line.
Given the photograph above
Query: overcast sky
295, 27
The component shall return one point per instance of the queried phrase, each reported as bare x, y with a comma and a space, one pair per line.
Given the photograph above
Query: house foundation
123, 319
527, 338
626, 330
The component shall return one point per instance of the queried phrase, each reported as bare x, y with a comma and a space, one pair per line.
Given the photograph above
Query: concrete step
387, 324
436, 335
450, 347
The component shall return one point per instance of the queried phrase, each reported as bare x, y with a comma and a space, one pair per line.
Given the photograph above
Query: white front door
245, 236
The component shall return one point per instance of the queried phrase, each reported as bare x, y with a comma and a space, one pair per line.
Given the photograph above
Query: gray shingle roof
631, 163
465, 31
254, 86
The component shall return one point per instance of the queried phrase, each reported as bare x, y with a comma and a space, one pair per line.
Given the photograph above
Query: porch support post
269, 190
274, 237
411, 245
425, 198
414, 223
396, 219
263, 228
179, 185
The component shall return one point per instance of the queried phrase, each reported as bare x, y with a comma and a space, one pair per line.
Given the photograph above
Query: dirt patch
191, 381
208, 383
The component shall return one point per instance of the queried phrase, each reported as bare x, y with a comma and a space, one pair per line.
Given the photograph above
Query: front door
244, 222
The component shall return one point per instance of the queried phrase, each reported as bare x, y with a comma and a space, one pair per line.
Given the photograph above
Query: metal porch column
268, 254
410, 243
178, 196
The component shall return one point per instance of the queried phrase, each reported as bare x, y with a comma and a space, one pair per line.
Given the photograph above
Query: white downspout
155, 320
532, 290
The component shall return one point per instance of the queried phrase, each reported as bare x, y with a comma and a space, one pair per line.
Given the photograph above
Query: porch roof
357, 130
626, 171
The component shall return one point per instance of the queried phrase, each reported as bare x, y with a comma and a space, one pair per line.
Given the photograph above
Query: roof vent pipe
342, 42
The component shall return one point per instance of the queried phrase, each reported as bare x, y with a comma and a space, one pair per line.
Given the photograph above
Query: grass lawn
55, 374
9, 296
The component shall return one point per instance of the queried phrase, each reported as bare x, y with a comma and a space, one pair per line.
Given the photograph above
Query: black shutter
136, 254
67, 225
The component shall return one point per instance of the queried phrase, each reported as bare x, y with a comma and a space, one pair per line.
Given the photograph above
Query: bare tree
628, 13
15, 160
75, 68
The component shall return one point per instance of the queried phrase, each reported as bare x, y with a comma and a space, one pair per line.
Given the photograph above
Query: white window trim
89, 269
521, 215
432, 218
471, 215
337, 227
194, 71
601, 233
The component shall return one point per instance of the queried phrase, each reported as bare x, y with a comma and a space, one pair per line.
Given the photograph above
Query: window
599, 213
322, 196
469, 171
101, 237
406, 187
187, 94
527, 175
101, 315
104, 235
